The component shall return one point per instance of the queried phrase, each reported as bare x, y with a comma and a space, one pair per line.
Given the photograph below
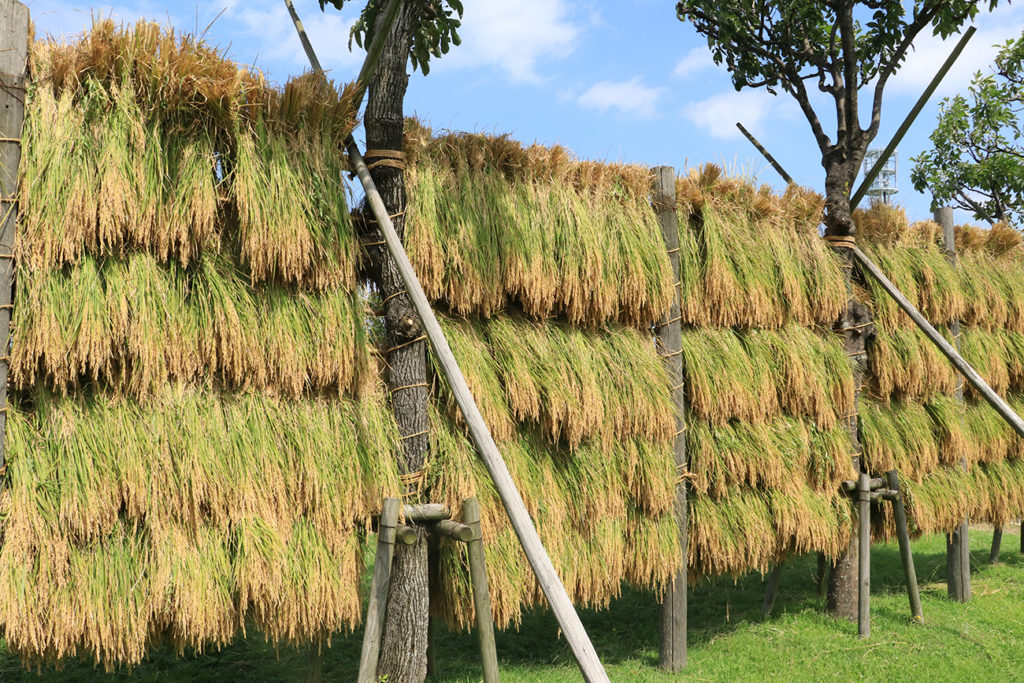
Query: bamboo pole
864, 557
965, 369
764, 152
958, 553
481, 593
378, 591
522, 524
906, 555
14, 35
545, 572
873, 172
672, 656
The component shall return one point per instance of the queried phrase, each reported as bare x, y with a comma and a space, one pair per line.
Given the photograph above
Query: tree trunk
404, 644
855, 328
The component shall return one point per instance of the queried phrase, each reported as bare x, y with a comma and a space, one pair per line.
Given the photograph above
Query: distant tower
884, 186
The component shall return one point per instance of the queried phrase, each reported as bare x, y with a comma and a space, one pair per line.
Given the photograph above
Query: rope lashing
389, 158
841, 241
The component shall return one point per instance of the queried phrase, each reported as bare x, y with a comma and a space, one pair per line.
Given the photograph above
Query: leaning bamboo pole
964, 368
586, 656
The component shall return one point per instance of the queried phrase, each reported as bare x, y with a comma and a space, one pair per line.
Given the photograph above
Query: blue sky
618, 80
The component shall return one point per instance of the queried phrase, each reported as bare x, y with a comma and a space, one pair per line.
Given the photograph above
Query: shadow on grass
626, 632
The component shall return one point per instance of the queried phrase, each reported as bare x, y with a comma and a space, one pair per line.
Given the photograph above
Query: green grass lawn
729, 638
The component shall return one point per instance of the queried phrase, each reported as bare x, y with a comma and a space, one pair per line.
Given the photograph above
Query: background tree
841, 49
976, 163
424, 29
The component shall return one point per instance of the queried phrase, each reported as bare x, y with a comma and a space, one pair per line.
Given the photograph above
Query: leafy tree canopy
435, 26
976, 162
838, 46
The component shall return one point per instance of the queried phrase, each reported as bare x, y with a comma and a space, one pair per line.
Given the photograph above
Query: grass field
729, 638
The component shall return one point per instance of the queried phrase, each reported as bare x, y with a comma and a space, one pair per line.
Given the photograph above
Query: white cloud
719, 113
629, 97
271, 29
696, 60
930, 52
514, 36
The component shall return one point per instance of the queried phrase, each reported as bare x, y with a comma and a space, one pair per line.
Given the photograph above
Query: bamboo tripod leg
378, 591
481, 592
864, 553
903, 535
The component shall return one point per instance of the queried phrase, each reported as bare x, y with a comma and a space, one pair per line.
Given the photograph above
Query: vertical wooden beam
903, 536
13, 60
673, 609
378, 591
481, 593
864, 555
958, 557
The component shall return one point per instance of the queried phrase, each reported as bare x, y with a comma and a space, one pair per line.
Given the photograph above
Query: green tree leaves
435, 27
976, 162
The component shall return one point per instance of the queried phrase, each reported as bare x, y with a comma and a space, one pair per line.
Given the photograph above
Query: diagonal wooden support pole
572, 628
873, 172
906, 556
766, 154
962, 366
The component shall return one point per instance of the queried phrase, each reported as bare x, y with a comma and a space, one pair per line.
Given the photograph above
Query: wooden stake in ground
13, 59
379, 587
481, 594
892, 480
673, 608
958, 553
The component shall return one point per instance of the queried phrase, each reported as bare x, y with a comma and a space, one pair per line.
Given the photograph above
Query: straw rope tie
671, 251
15, 140
7, 256
7, 307
413, 481
660, 205
841, 241
840, 330
410, 386
389, 297
389, 158
671, 354
373, 244
411, 341
670, 321
413, 436
390, 215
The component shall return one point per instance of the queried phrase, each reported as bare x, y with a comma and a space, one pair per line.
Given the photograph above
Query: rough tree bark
404, 644
855, 327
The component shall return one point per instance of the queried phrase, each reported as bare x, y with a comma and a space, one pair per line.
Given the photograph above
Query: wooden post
958, 557
481, 593
864, 556
965, 369
378, 591
872, 173
997, 541
562, 607
13, 59
903, 536
673, 609
771, 589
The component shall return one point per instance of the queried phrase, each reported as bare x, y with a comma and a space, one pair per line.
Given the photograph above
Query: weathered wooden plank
14, 32
673, 607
